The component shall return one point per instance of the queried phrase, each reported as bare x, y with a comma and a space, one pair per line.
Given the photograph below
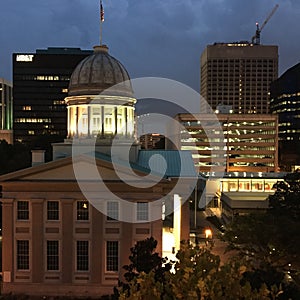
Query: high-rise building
41, 82
6, 110
238, 74
231, 143
285, 101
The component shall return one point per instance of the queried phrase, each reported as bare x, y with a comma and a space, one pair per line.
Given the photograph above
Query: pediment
84, 167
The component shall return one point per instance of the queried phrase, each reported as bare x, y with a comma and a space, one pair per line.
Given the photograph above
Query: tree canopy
199, 274
271, 239
144, 259
13, 157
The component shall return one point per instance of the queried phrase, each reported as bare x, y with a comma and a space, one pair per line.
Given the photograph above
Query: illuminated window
33, 120
142, 211
268, 186
244, 186
52, 255
64, 90
59, 102
82, 210
257, 185
23, 210
23, 255
31, 132
27, 107
112, 256
82, 256
232, 186
47, 77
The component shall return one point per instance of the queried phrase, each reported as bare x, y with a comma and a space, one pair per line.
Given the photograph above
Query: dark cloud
151, 38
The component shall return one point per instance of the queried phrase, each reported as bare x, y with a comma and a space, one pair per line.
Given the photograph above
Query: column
97, 254
77, 114
67, 259
89, 121
69, 122
126, 122
102, 121
37, 249
8, 250
116, 120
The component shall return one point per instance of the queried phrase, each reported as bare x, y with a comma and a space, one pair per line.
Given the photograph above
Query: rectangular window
52, 210
257, 185
23, 255
23, 210
232, 186
82, 256
82, 210
112, 210
244, 185
112, 256
142, 211
52, 256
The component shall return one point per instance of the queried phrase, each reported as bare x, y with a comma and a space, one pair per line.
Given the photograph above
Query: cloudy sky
150, 37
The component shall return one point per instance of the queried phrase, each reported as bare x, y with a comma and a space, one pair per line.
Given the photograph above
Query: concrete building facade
230, 143
238, 74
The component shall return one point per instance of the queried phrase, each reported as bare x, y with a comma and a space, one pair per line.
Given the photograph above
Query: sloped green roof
171, 163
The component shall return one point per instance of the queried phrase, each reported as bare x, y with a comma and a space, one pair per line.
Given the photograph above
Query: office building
238, 74
41, 82
285, 102
229, 142
6, 107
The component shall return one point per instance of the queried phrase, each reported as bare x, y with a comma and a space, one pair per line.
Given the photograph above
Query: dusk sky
161, 38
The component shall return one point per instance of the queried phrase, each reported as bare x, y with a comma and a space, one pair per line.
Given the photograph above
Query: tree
144, 260
13, 157
199, 275
271, 240
286, 200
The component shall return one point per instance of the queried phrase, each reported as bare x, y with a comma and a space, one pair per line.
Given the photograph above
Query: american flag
101, 12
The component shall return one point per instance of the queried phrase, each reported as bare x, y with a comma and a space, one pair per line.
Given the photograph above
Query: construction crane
256, 37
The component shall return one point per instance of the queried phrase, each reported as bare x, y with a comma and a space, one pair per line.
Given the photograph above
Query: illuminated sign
25, 57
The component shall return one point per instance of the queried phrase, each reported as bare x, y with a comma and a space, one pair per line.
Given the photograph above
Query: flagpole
100, 33
101, 20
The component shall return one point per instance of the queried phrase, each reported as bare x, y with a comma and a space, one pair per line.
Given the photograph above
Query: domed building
100, 101
100, 106
59, 239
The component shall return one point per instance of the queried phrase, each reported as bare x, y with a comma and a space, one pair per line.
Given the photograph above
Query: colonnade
91, 120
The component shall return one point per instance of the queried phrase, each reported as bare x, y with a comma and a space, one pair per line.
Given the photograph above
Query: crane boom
269, 17
256, 37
